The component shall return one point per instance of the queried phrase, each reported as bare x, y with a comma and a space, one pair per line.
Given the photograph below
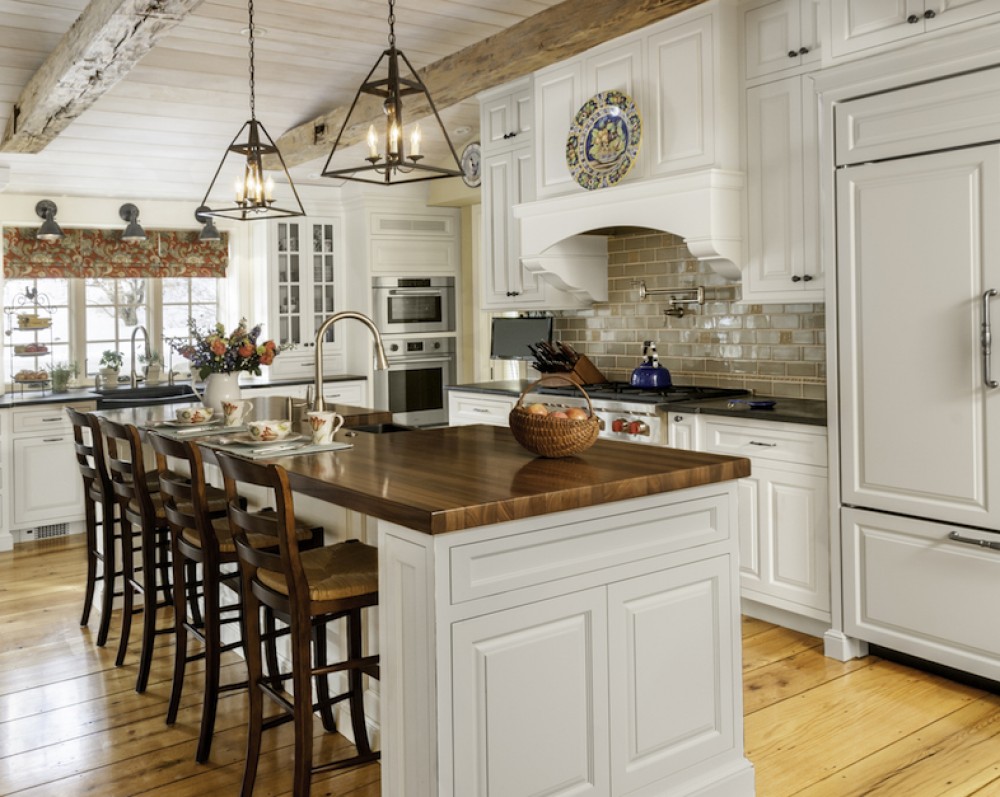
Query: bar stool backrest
89, 446
184, 491
238, 475
129, 478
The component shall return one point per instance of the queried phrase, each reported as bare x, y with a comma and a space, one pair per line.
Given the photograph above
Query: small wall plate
472, 163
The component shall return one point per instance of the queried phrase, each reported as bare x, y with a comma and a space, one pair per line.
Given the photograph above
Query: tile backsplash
774, 349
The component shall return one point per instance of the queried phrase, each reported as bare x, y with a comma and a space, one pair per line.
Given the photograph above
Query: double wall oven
416, 317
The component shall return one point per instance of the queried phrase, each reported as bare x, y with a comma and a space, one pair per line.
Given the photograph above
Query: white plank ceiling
161, 131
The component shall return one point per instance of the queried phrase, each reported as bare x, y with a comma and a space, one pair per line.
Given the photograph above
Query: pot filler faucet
381, 363
134, 382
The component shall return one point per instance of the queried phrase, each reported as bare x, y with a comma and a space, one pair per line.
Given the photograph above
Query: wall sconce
133, 231
49, 231
209, 232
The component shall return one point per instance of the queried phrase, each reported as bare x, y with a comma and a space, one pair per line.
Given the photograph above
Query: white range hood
703, 208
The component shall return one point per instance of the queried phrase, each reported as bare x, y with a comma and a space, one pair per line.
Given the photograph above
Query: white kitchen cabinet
508, 179
412, 243
43, 455
305, 280
859, 25
783, 263
506, 116
467, 407
683, 431
588, 652
780, 36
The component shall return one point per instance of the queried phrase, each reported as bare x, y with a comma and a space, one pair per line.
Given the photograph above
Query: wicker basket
553, 437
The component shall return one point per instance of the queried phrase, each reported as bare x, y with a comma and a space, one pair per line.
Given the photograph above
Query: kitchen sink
146, 396
381, 428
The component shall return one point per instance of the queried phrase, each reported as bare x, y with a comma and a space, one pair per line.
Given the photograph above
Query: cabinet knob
807, 277
793, 53
513, 293
796, 278
803, 50
913, 19
678, 418
929, 14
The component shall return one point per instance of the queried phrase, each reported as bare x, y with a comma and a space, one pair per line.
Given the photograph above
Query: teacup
266, 431
324, 425
236, 411
194, 414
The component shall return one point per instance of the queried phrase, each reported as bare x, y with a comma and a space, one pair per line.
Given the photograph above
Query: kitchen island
548, 626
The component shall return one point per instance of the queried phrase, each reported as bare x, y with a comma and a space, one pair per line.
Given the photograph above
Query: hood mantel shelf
703, 208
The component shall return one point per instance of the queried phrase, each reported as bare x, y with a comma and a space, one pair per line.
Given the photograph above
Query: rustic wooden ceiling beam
101, 47
553, 35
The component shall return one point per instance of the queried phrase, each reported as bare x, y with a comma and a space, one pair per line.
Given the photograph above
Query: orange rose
267, 358
246, 349
217, 346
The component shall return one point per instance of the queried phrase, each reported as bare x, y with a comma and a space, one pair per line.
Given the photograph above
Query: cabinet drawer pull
480, 409
52, 420
52, 439
334, 395
766, 445
956, 537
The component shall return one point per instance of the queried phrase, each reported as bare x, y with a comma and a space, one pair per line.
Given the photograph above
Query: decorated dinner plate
603, 140
188, 425
246, 439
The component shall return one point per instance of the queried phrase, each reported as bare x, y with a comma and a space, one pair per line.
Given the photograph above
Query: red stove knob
618, 425
638, 427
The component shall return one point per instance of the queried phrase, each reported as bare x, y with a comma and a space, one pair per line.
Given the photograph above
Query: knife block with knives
561, 358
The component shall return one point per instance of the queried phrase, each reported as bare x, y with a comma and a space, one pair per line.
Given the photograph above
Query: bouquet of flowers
212, 351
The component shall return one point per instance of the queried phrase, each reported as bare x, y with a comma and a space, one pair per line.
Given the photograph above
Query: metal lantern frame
391, 89
258, 145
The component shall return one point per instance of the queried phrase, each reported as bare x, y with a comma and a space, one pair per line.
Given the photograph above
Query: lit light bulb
415, 142
269, 190
372, 142
393, 139
240, 188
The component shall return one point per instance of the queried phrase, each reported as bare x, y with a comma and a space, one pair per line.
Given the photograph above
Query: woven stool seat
344, 570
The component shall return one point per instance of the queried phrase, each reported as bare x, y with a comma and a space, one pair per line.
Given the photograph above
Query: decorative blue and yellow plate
603, 140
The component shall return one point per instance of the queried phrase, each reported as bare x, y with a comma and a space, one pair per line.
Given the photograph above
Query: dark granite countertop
27, 398
785, 410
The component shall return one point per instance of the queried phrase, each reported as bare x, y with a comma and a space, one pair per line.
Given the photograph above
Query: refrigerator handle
986, 339
956, 537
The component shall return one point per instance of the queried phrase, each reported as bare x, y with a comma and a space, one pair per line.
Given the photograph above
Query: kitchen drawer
44, 418
907, 586
468, 408
352, 393
762, 440
496, 566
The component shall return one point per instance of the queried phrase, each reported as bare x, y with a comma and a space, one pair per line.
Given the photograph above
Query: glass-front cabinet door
304, 278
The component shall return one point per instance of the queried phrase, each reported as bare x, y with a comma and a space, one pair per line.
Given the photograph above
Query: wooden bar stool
102, 530
311, 588
201, 537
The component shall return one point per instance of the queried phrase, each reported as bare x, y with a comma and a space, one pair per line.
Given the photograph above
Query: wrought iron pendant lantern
253, 189
388, 159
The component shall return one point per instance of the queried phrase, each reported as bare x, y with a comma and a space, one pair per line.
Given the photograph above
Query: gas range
633, 414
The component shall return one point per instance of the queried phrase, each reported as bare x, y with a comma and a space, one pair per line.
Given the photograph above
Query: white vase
219, 388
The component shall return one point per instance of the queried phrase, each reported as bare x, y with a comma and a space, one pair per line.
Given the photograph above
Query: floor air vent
42, 532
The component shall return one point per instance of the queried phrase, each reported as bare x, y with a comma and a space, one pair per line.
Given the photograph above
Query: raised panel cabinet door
530, 699
46, 482
680, 132
951, 12
558, 96
780, 35
671, 649
683, 432
794, 516
859, 24
497, 120
918, 246
618, 68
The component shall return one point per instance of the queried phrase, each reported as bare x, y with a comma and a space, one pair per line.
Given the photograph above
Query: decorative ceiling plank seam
552, 35
101, 47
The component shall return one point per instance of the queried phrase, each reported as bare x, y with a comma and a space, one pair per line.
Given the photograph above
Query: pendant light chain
253, 109
392, 24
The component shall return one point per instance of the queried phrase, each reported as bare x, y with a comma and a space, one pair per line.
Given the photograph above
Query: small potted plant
154, 365
111, 363
61, 374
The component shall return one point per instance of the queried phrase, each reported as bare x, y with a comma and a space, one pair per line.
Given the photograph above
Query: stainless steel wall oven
413, 305
413, 387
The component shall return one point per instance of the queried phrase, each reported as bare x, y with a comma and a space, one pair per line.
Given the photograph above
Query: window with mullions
95, 314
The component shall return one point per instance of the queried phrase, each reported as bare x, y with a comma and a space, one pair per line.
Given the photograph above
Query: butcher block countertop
459, 477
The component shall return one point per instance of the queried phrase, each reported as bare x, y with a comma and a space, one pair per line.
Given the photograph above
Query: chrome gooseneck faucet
134, 382
381, 363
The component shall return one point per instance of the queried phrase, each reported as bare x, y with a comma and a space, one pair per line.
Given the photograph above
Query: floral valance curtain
102, 253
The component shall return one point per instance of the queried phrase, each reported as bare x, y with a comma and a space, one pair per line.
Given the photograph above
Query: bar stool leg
110, 573
90, 522
150, 566
213, 663
302, 700
128, 593
180, 640
255, 723
356, 681
323, 681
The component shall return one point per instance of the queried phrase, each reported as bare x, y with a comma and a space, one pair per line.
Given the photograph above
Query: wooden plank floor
72, 724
